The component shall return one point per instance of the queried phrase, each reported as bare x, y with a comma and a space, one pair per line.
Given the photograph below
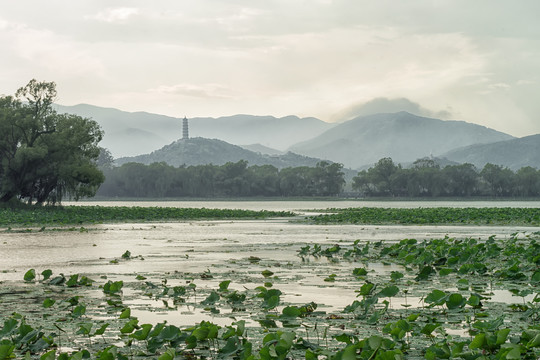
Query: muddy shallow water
197, 245
201, 255
181, 251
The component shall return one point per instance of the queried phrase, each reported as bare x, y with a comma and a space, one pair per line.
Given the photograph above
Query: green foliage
389, 291
45, 155
228, 180
224, 285
276, 346
113, 287
48, 302
67, 215
211, 299
426, 179
359, 272
46, 274
375, 326
30, 275
439, 215
271, 298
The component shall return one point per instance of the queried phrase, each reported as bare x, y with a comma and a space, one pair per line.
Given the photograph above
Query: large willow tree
45, 156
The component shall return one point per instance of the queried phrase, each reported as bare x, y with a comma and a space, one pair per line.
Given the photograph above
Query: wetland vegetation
79, 215
432, 216
441, 297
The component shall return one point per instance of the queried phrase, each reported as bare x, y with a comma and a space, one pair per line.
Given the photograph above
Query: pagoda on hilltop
185, 129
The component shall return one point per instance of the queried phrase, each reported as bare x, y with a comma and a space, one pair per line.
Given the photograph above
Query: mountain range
401, 136
357, 143
129, 134
513, 154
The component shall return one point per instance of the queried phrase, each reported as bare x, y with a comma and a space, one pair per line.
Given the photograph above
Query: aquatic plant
435, 215
402, 312
77, 215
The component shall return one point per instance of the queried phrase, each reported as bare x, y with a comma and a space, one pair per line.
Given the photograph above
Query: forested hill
402, 136
514, 153
201, 151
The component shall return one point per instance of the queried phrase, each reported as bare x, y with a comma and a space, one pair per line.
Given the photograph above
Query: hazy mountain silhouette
129, 133
134, 133
402, 136
201, 151
269, 131
514, 153
258, 148
357, 143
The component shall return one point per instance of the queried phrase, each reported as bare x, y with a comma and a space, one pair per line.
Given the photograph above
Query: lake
153, 258
197, 246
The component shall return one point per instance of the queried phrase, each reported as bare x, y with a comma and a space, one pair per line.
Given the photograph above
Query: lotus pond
270, 289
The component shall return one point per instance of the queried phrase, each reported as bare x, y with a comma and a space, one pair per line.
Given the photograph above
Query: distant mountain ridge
128, 133
199, 151
358, 143
258, 148
135, 133
269, 131
514, 153
402, 136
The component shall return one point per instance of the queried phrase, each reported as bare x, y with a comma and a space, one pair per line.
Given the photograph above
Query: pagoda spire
185, 129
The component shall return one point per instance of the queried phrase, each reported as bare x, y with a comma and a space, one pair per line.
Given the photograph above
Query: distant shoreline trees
424, 179
427, 179
159, 180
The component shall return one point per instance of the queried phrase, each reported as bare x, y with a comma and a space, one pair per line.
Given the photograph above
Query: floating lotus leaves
360, 272
455, 301
142, 333
435, 297
30, 275
211, 299
46, 274
389, 291
113, 287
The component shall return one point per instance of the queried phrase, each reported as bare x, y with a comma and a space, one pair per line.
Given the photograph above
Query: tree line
233, 179
427, 179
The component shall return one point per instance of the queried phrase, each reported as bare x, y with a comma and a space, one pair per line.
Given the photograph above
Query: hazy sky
472, 60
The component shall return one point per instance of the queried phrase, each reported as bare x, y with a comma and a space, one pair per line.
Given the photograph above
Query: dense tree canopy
426, 179
229, 180
45, 155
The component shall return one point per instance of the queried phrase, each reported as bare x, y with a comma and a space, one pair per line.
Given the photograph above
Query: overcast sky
477, 61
